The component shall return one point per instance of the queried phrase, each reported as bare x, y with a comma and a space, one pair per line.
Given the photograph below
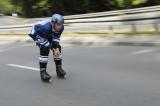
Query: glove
37, 43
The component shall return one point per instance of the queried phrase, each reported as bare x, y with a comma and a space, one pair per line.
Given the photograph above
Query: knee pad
57, 57
60, 55
43, 59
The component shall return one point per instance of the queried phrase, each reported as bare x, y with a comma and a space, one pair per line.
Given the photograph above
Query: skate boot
45, 77
60, 72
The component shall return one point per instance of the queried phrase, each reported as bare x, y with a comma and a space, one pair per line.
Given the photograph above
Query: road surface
97, 76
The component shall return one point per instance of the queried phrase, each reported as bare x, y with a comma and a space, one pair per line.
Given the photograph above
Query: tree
6, 7
43, 8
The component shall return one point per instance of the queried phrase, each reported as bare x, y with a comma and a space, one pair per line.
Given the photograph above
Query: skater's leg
58, 63
43, 60
58, 59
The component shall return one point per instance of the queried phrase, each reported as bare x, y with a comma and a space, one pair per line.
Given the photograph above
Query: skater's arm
55, 45
56, 42
56, 38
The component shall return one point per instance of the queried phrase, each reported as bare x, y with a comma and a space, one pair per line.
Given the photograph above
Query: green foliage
6, 6
126, 4
41, 8
137, 2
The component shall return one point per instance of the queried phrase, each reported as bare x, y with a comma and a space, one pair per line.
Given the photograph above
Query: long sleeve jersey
42, 30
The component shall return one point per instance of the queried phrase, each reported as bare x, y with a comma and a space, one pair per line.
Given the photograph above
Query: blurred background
110, 52
45, 8
116, 17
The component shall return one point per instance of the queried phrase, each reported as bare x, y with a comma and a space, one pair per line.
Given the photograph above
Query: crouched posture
47, 34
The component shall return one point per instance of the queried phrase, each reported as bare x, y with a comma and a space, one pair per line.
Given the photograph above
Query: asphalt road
97, 76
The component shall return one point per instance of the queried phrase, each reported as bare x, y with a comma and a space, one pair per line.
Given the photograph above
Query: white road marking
29, 68
142, 51
24, 67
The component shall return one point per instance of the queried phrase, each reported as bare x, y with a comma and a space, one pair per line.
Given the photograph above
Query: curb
79, 40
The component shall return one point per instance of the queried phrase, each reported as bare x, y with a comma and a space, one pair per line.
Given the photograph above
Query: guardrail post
156, 27
111, 32
134, 29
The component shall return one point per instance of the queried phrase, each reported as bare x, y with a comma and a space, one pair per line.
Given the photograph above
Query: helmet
57, 18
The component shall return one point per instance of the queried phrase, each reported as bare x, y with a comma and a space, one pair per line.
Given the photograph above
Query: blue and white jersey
42, 30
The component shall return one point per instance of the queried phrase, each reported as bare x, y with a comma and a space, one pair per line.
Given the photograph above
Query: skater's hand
56, 52
37, 43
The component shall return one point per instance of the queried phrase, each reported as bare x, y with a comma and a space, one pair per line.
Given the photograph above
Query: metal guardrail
115, 13
151, 15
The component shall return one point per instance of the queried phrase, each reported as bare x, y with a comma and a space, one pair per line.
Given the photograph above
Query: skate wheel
50, 80
62, 77
47, 81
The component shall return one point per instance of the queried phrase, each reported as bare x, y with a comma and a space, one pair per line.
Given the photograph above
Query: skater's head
57, 21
